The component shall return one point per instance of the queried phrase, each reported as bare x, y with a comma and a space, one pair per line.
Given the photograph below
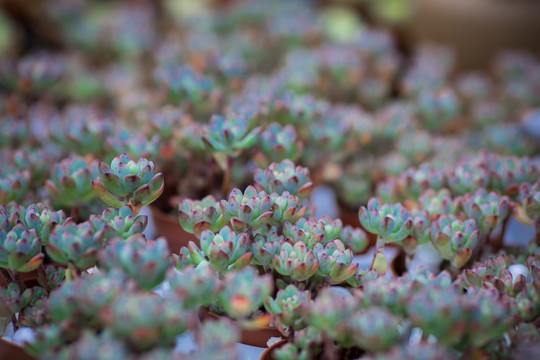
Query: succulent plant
83, 132
414, 182
145, 321
225, 250
195, 286
76, 244
489, 210
244, 292
250, 209
20, 249
264, 247
507, 173
13, 132
286, 208
296, 261
454, 239
13, 185
230, 136
285, 308
494, 273
335, 261
280, 143
437, 202
144, 261
184, 83
218, 340
122, 221
195, 216
13, 299
354, 238
466, 178
391, 223
127, 182
284, 176
70, 182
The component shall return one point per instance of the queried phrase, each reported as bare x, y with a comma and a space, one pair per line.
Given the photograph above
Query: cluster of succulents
230, 119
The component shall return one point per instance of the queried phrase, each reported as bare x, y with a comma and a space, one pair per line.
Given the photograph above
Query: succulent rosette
76, 244
225, 250
13, 299
286, 307
195, 216
414, 182
488, 209
83, 132
13, 185
123, 221
146, 321
308, 231
264, 247
494, 273
230, 136
250, 209
286, 208
454, 239
244, 292
144, 261
437, 202
354, 238
296, 261
40, 218
335, 261
392, 222
467, 178
508, 172
70, 182
126, 182
20, 249
284, 176
195, 286
280, 143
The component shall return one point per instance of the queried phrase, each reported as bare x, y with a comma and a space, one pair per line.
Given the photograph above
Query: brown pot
169, 227
477, 29
268, 353
9, 350
254, 337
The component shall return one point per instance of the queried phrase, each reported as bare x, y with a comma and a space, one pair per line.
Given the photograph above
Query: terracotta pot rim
157, 212
16, 348
267, 352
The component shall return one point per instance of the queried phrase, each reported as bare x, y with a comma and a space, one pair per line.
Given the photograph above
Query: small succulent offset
494, 273
284, 176
230, 135
296, 261
225, 250
280, 143
70, 182
244, 292
122, 221
391, 223
250, 209
489, 210
20, 249
286, 208
13, 185
144, 261
195, 216
454, 239
508, 172
335, 262
286, 308
195, 286
467, 177
75, 244
38, 217
127, 182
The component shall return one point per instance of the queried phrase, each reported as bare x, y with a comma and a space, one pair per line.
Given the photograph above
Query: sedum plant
126, 182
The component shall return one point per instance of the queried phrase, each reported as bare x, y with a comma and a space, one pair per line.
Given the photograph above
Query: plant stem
227, 176
16, 277
42, 277
73, 270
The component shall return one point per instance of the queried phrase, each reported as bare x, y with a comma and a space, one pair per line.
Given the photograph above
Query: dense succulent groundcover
229, 118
